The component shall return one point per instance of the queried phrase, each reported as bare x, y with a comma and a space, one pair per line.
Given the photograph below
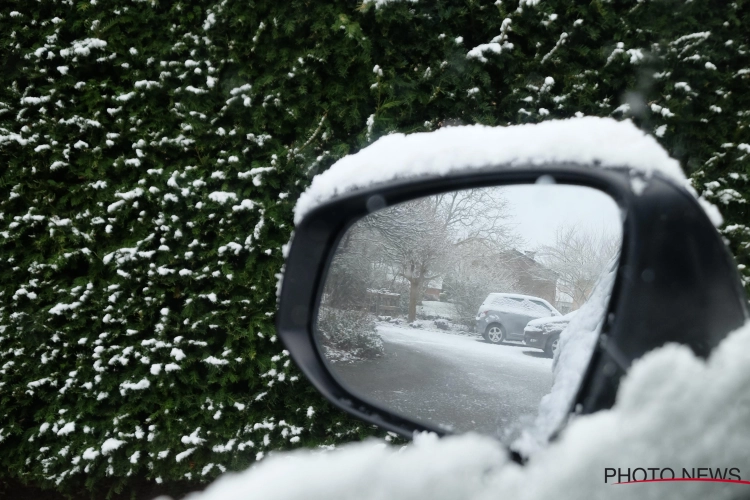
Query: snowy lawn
436, 309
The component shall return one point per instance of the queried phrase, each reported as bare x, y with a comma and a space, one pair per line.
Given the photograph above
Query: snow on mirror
456, 310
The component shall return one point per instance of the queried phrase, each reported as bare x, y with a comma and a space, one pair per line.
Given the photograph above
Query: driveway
451, 381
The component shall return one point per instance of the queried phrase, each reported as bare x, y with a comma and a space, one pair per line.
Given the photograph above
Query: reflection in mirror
451, 309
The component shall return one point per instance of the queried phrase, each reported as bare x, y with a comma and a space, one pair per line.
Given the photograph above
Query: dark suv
544, 333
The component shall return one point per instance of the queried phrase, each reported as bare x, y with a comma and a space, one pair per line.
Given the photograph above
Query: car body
503, 316
544, 333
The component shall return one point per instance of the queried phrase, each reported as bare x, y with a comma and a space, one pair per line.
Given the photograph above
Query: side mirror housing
675, 280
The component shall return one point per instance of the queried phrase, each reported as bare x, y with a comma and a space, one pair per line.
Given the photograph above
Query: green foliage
152, 151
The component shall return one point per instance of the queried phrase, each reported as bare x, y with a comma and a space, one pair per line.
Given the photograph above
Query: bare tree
474, 216
432, 236
579, 257
407, 245
414, 240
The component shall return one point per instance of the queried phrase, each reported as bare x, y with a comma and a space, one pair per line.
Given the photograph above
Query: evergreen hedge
151, 152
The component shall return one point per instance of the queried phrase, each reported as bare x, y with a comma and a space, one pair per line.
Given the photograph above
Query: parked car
503, 316
544, 333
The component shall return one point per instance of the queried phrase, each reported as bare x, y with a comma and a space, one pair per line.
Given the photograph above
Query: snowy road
452, 381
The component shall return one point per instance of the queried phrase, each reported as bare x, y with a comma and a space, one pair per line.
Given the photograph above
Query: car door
523, 311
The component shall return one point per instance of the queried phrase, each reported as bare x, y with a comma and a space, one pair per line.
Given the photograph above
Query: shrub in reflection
348, 335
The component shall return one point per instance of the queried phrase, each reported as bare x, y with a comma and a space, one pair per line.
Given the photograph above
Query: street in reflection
454, 381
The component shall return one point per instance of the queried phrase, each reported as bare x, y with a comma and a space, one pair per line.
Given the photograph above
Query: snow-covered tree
424, 239
579, 257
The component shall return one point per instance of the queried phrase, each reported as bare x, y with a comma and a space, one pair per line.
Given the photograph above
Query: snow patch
110, 445
221, 197
83, 47
130, 386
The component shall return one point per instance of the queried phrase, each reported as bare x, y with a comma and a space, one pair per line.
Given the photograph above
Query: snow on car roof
552, 319
518, 304
589, 141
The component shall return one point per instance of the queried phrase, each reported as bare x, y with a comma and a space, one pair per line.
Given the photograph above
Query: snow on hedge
588, 141
673, 410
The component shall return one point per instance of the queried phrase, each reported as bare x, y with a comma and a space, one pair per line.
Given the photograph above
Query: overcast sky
539, 209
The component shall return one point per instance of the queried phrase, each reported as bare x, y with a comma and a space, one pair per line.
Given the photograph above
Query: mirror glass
473, 310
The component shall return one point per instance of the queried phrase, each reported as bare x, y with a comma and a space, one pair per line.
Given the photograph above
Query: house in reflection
530, 277
511, 271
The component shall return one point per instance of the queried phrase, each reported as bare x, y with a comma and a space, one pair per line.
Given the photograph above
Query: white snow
673, 410
381, 3
110, 445
125, 97
589, 141
180, 456
67, 429
454, 471
130, 386
60, 308
516, 303
193, 438
222, 197
130, 195
239, 90
433, 308
478, 51
244, 205
212, 360
83, 47
177, 354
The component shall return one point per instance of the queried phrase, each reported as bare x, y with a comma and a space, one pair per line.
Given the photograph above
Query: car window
542, 304
539, 307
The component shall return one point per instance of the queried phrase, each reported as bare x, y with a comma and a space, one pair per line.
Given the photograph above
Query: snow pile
673, 410
513, 304
593, 141
429, 468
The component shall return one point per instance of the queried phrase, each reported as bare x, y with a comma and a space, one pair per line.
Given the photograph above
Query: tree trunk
415, 285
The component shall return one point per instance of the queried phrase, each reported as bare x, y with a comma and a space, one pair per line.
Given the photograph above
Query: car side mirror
418, 304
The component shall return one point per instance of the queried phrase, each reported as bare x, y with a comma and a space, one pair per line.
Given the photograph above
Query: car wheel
495, 334
552, 345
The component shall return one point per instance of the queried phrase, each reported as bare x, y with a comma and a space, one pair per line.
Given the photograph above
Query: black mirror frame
676, 280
